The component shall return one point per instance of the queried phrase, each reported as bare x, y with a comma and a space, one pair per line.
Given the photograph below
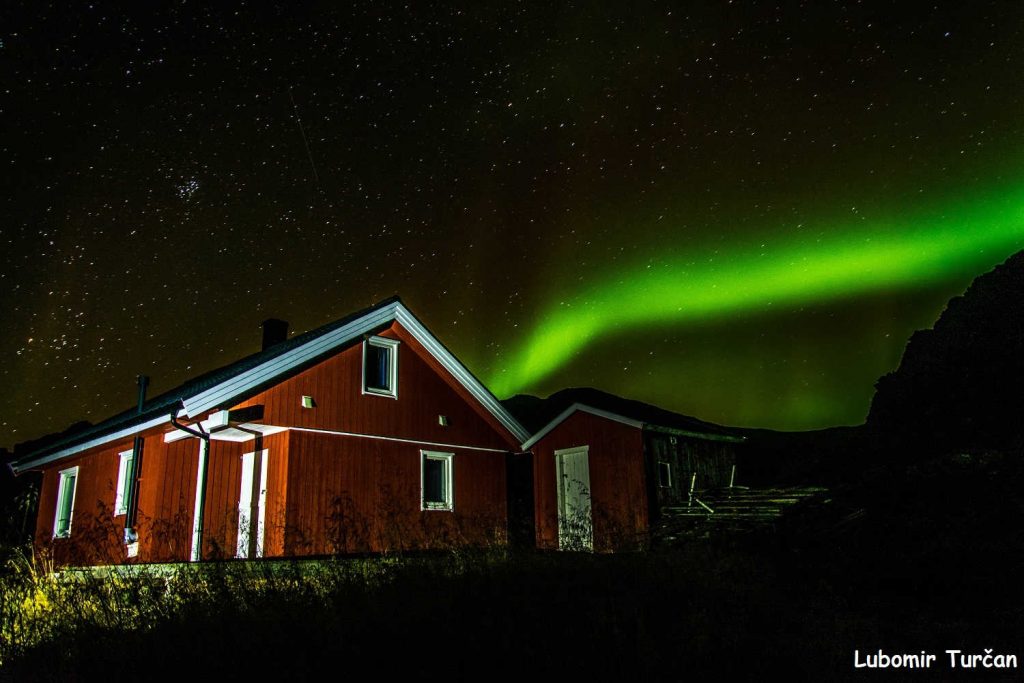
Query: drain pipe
204, 461
131, 534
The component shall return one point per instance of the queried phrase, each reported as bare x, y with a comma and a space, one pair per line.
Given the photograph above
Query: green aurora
737, 211
916, 249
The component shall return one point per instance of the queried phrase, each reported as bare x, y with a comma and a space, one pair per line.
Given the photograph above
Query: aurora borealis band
914, 250
740, 213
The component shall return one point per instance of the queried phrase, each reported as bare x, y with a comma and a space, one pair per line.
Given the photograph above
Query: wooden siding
223, 485
711, 461
277, 494
617, 481
45, 510
96, 533
425, 391
350, 495
167, 499
325, 493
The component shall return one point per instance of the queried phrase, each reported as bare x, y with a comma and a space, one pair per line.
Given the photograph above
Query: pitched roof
542, 415
226, 385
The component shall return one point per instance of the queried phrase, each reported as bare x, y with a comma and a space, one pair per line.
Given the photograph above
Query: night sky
739, 211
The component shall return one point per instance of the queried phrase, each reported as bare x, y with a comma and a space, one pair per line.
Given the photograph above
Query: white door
252, 505
575, 523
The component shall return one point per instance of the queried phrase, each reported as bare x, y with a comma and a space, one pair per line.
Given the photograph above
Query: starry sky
739, 211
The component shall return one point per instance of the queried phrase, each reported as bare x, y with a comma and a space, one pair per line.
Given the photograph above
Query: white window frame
392, 346
125, 459
63, 477
448, 459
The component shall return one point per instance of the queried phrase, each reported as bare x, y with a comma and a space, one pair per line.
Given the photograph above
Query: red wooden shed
605, 467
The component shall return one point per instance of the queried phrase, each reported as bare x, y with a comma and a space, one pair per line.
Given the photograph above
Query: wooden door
252, 505
575, 520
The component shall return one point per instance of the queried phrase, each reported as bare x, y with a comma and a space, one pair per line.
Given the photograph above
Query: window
125, 474
436, 473
65, 503
664, 475
380, 366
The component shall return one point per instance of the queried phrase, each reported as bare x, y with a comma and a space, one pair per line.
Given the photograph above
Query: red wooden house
365, 435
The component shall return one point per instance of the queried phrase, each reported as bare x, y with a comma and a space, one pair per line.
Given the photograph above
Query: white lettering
882, 660
986, 661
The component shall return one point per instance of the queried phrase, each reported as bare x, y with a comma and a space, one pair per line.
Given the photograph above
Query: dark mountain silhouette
958, 385
935, 489
534, 413
31, 445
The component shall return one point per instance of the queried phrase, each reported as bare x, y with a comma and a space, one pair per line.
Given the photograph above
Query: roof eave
34, 461
706, 436
228, 391
452, 364
565, 414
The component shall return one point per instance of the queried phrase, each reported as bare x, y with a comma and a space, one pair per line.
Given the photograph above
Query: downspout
204, 461
131, 534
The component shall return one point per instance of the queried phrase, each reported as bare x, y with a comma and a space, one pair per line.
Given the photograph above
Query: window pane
377, 361
664, 474
69, 492
382, 368
124, 482
129, 475
433, 481
64, 509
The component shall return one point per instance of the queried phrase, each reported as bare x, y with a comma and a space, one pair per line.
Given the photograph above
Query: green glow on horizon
696, 286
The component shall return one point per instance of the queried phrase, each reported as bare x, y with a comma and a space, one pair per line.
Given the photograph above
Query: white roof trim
250, 379
19, 466
245, 381
564, 415
459, 371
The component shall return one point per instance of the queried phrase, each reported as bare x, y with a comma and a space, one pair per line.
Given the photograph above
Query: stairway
735, 509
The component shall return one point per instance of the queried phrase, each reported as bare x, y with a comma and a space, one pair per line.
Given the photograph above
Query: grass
727, 607
464, 612
932, 564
